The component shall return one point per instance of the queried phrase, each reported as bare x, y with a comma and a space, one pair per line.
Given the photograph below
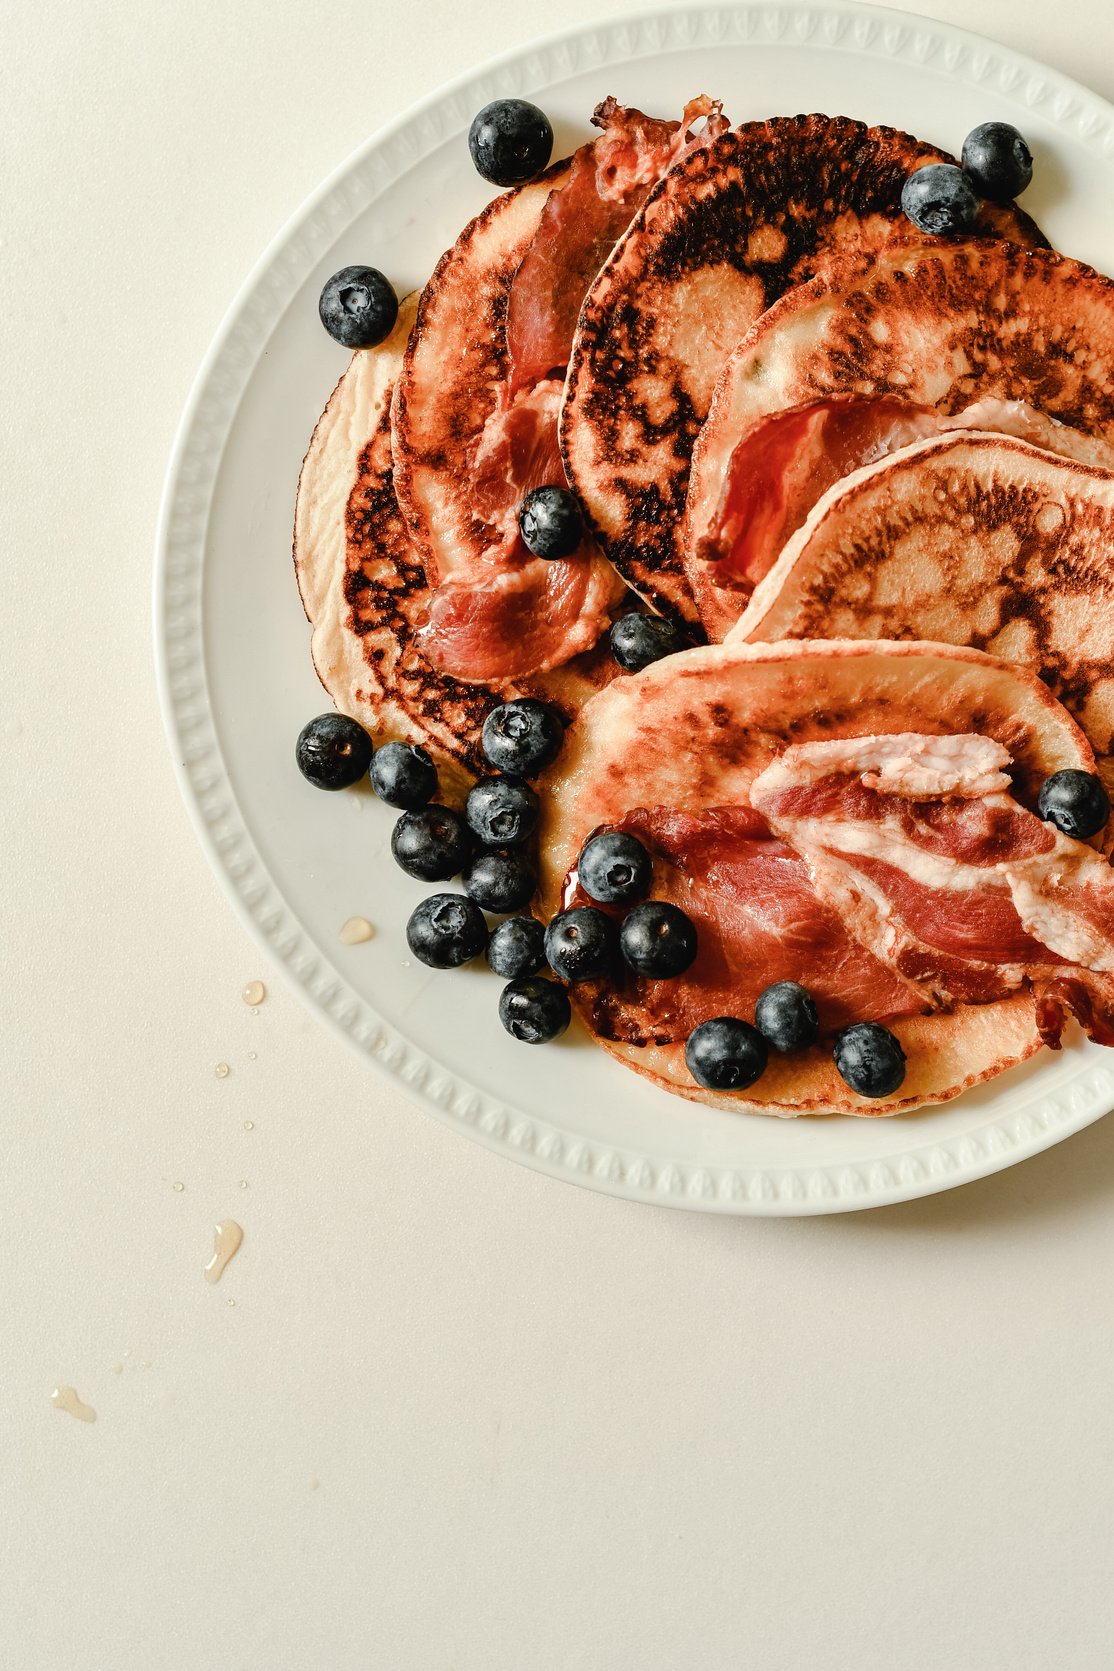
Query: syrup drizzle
227, 1236
65, 1398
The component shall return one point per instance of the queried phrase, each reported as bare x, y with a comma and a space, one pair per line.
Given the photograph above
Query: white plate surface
233, 646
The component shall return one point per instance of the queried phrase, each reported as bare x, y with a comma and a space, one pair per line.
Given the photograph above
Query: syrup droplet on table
65, 1398
355, 931
249, 1125
254, 993
227, 1236
222, 1070
178, 1188
251, 1056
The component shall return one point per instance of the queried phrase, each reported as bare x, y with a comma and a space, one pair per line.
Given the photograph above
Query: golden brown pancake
728, 231
695, 730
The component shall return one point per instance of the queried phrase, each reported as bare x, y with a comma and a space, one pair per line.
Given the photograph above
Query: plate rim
769, 1190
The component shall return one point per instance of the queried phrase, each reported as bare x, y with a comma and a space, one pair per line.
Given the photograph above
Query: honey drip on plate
227, 1236
65, 1398
355, 931
254, 993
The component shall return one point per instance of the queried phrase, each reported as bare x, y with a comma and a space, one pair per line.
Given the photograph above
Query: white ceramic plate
233, 646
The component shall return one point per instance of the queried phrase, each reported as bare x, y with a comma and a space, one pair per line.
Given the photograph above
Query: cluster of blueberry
944, 200
726, 1054
489, 846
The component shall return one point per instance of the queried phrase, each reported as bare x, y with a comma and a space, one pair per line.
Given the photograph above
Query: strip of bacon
508, 615
526, 617
609, 180
786, 462
518, 451
1063, 997
758, 920
973, 894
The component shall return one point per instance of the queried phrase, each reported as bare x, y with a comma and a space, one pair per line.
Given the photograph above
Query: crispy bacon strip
609, 180
971, 894
1070, 996
783, 465
526, 617
518, 451
508, 615
758, 919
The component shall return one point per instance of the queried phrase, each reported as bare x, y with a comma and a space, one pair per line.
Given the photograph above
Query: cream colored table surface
460, 1417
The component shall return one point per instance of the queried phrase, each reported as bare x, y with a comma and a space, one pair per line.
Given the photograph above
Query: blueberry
510, 141
534, 1010
725, 1054
580, 944
998, 161
445, 931
517, 947
940, 199
637, 640
501, 879
501, 811
869, 1059
785, 1015
358, 307
402, 774
658, 940
332, 751
432, 844
1076, 802
550, 522
522, 736
614, 868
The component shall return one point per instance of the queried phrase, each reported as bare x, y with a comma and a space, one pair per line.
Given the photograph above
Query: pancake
694, 731
365, 590
477, 403
969, 539
729, 230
